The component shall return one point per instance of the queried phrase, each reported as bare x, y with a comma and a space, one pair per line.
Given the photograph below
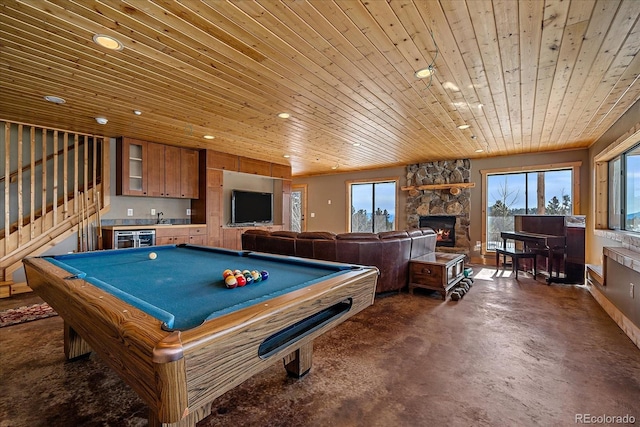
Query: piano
558, 238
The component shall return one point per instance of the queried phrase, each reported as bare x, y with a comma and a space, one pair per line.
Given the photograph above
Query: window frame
618, 203
349, 183
601, 179
575, 190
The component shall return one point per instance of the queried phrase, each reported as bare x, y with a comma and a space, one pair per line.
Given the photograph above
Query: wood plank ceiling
527, 76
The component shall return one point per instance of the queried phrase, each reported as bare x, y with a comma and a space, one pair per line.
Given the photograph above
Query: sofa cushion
396, 234
284, 233
423, 242
317, 235
248, 238
257, 231
357, 236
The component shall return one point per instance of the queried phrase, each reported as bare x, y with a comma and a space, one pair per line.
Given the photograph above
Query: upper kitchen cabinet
254, 166
189, 180
165, 171
131, 165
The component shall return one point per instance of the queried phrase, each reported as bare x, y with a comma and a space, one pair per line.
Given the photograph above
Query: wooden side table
436, 271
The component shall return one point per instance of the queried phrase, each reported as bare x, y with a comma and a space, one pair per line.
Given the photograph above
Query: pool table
177, 335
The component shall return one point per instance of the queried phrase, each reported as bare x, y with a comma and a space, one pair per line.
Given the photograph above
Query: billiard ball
241, 280
236, 272
153, 255
264, 274
230, 281
255, 275
227, 273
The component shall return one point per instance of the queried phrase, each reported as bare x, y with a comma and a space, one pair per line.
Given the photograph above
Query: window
535, 191
373, 206
624, 191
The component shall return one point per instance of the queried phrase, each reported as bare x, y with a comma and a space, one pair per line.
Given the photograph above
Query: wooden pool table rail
179, 374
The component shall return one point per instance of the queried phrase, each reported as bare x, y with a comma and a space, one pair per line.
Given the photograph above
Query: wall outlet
188, 211
313, 214
631, 290
153, 211
129, 212
329, 201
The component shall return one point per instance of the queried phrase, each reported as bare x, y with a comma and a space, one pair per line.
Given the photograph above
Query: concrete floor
508, 354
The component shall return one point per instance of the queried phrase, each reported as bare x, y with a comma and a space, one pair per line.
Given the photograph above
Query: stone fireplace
435, 204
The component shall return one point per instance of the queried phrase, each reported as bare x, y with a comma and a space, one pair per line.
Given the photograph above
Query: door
298, 207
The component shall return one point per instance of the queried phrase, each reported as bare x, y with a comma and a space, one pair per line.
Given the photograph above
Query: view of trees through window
632, 183
373, 207
537, 192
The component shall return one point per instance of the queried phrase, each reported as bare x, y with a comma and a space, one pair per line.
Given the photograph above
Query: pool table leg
74, 345
298, 362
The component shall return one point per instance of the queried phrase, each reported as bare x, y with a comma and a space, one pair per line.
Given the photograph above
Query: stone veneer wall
441, 202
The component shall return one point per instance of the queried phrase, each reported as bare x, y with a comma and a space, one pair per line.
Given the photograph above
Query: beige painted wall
333, 217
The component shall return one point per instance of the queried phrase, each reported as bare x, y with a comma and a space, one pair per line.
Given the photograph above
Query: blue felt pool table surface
184, 287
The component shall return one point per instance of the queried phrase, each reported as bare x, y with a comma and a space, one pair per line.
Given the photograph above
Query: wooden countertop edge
151, 226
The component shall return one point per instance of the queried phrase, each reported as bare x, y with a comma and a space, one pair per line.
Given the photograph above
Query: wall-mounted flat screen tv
251, 207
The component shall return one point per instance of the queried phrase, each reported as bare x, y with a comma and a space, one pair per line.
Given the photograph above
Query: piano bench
516, 255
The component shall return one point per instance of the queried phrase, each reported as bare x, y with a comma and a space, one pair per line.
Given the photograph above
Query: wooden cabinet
172, 235
224, 161
131, 163
198, 236
189, 174
156, 170
254, 166
280, 171
436, 271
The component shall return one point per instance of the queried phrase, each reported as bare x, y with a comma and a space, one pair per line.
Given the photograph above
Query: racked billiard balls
241, 280
230, 281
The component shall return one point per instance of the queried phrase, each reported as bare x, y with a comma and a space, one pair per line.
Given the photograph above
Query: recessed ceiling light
286, 156
284, 115
356, 144
462, 127
336, 166
137, 112
423, 73
101, 120
108, 42
479, 150
208, 137
54, 99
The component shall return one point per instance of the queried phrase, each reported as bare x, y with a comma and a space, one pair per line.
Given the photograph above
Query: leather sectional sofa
389, 251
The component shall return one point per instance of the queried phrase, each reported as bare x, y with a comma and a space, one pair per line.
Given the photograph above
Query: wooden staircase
52, 182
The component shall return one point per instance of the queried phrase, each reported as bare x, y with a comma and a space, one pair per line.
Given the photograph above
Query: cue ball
153, 255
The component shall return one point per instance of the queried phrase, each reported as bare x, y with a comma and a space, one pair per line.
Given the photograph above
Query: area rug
14, 316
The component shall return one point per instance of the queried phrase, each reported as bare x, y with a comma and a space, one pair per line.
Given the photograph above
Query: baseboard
8, 288
627, 326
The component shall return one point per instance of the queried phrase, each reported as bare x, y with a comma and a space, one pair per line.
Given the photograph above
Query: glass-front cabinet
131, 157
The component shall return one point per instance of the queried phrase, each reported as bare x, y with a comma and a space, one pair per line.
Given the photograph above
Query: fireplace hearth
444, 226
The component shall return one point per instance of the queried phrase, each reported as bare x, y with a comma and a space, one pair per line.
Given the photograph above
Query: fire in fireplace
444, 226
